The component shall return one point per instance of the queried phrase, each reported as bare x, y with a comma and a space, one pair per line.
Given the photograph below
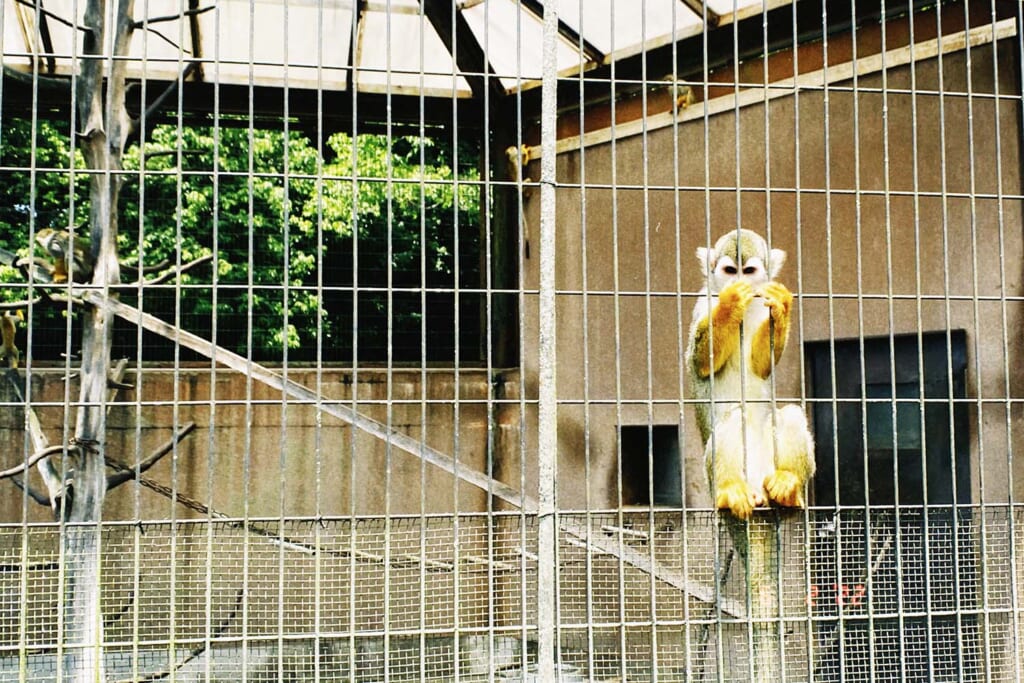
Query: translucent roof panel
734, 10
399, 51
309, 43
619, 29
511, 38
261, 36
262, 42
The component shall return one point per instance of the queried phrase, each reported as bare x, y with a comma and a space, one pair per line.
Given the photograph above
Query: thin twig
163, 265
128, 472
168, 91
172, 17
59, 19
170, 275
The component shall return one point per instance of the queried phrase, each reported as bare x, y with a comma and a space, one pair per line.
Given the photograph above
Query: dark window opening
894, 447
651, 468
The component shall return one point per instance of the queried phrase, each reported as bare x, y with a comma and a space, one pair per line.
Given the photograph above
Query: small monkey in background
739, 331
8, 328
69, 261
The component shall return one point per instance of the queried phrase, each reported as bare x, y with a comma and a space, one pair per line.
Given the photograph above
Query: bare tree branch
197, 650
110, 619
171, 17
36, 495
163, 265
128, 472
56, 17
15, 305
32, 460
168, 91
51, 478
167, 40
170, 275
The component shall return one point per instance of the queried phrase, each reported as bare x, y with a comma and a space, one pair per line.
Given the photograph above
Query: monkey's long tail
757, 545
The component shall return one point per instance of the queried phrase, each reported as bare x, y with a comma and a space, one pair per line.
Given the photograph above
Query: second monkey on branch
755, 453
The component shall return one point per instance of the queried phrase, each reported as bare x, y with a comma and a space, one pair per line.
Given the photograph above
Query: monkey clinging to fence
755, 454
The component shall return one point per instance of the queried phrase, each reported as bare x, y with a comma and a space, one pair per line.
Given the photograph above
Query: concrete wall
872, 194
254, 454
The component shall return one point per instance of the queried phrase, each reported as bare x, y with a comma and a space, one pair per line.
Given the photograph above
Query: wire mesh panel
510, 340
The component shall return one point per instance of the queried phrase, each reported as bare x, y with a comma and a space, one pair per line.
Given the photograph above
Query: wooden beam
470, 58
595, 543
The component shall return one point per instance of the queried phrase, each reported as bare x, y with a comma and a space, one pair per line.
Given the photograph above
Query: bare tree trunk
103, 126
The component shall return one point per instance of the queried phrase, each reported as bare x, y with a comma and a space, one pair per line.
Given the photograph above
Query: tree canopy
359, 250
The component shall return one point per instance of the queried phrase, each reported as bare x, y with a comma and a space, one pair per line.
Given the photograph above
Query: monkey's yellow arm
719, 331
779, 301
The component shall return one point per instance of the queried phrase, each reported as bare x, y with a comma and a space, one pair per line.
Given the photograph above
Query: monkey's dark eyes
729, 270
749, 270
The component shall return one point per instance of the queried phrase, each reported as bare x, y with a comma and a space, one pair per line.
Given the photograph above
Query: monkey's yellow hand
785, 488
734, 495
733, 302
779, 300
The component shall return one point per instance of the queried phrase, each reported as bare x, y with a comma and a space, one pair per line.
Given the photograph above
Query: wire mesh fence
365, 341
432, 597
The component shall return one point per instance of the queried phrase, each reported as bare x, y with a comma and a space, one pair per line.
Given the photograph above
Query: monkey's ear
775, 261
707, 258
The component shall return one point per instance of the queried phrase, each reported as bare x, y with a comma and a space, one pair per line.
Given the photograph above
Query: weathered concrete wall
255, 454
899, 212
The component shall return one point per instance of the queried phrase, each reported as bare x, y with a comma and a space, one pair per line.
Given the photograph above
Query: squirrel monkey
8, 328
755, 454
69, 262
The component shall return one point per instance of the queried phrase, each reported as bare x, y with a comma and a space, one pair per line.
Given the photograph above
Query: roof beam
459, 40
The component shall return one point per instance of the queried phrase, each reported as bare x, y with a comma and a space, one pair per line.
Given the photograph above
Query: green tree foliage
362, 254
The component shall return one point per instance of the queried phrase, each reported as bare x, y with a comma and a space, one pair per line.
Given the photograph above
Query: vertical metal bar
979, 404
946, 299
1014, 604
486, 281
810, 624
547, 349
719, 566
831, 302
457, 573
588, 451
423, 538
649, 343
919, 306
389, 388
137, 565
894, 405
286, 279
211, 438
681, 341
318, 425
249, 338
617, 316
353, 448
858, 191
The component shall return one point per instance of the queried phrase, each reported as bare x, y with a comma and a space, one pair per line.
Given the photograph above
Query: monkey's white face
727, 271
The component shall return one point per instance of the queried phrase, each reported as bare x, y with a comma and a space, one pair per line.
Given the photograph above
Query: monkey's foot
736, 497
785, 488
